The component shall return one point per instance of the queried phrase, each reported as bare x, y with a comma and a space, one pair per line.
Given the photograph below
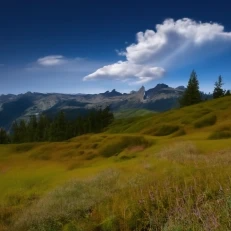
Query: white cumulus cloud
51, 60
172, 36
154, 50
125, 70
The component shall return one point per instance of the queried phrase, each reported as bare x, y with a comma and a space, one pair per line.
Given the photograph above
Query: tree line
60, 128
43, 128
192, 94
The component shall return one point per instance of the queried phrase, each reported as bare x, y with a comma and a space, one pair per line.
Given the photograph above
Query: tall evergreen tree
23, 131
60, 128
227, 93
218, 91
15, 132
43, 127
192, 94
4, 138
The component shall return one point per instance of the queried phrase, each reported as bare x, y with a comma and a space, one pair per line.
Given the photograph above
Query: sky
95, 46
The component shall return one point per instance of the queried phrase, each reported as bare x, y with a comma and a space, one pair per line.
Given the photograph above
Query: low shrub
223, 132
166, 129
205, 121
127, 157
217, 135
118, 144
40, 155
22, 148
180, 132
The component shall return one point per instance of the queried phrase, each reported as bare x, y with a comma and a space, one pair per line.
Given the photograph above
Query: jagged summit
113, 93
22, 106
181, 88
160, 86
142, 88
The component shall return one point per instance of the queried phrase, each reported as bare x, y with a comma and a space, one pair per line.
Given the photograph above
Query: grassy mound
180, 179
180, 132
165, 130
202, 115
164, 174
118, 144
205, 121
223, 132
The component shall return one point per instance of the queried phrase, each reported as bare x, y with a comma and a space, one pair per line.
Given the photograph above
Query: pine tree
227, 93
4, 138
60, 128
32, 129
42, 128
15, 137
192, 94
23, 134
218, 91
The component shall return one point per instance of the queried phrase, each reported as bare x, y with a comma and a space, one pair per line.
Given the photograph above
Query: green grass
165, 130
180, 132
207, 120
132, 113
175, 187
222, 132
117, 145
168, 171
197, 116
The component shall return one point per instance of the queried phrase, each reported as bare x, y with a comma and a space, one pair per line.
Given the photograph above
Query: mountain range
22, 106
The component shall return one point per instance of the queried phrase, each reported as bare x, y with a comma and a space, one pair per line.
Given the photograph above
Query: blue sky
94, 46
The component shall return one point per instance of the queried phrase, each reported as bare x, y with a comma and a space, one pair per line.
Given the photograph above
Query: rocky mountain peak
22, 106
160, 86
141, 90
111, 94
181, 88
141, 93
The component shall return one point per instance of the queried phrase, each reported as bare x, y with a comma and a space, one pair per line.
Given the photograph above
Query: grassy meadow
167, 171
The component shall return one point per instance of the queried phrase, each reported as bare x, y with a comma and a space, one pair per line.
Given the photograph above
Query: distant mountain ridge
22, 106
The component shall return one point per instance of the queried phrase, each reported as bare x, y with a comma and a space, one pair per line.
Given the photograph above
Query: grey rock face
15, 107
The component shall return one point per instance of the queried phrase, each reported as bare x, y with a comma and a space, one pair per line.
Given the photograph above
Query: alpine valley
16, 107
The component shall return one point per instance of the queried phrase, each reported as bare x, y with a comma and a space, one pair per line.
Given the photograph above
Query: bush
180, 132
116, 146
127, 157
223, 132
22, 148
220, 135
165, 130
205, 121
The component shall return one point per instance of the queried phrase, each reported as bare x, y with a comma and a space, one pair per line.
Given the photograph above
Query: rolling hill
164, 171
22, 106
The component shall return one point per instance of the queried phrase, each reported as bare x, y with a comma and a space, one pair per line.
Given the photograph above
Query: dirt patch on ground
4, 169
137, 148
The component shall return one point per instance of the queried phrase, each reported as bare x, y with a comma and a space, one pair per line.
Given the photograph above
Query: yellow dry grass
157, 172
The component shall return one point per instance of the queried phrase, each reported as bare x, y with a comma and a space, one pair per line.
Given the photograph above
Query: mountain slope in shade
22, 106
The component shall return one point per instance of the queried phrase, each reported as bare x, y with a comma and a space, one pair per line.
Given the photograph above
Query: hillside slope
22, 106
166, 171
207, 117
